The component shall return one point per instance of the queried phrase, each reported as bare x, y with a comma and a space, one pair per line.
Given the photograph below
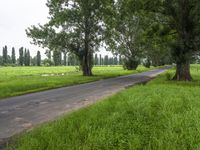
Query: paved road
23, 112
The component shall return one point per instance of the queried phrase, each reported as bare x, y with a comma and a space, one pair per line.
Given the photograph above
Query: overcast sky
18, 15
15, 17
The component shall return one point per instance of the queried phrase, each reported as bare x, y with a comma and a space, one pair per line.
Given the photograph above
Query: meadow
21, 80
162, 114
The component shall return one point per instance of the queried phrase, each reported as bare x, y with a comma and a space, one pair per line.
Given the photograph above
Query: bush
130, 64
168, 76
147, 63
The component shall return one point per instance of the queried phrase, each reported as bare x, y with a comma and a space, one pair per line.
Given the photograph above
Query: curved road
23, 112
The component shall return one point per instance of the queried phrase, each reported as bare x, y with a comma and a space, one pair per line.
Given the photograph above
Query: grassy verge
20, 80
160, 115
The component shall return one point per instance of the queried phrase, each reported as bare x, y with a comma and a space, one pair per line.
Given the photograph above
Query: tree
110, 61
27, 58
57, 58
9, 60
49, 61
21, 56
65, 58
72, 60
1, 60
106, 60
120, 60
125, 34
80, 26
96, 60
115, 61
180, 20
38, 58
101, 63
157, 49
13, 56
34, 61
5, 55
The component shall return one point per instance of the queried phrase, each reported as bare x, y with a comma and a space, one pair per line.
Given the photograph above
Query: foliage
21, 56
147, 63
125, 34
27, 57
180, 20
38, 58
5, 55
13, 56
57, 58
96, 61
75, 26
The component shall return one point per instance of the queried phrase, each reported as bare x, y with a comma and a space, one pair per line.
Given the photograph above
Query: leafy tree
1, 60
38, 58
106, 60
120, 60
125, 34
147, 63
33, 61
49, 61
110, 61
27, 57
180, 20
21, 56
96, 60
5, 55
157, 51
80, 29
57, 58
72, 60
101, 62
115, 61
65, 58
9, 60
13, 56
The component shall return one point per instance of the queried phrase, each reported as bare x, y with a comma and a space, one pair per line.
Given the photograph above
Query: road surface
23, 112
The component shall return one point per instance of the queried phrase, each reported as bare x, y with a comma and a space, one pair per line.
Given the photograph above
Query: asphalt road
23, 112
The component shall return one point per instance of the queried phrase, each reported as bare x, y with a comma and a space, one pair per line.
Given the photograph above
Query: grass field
160, 115
20, 80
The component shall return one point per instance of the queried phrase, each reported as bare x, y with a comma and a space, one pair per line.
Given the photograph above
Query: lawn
20, 80
160, 115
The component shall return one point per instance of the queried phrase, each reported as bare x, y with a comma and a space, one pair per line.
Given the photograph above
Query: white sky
15, 17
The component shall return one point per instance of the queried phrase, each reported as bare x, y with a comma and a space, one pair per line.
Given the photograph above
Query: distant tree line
24, 58
69, 59
53, 58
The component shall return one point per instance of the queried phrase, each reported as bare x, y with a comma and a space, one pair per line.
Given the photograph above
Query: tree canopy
157, 32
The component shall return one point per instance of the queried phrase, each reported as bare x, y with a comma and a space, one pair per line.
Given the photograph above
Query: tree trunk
87, 65
183, 72
87, 60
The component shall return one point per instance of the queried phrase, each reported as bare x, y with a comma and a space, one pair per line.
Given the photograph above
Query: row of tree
58, 58
24, 57
70, 59
159, 31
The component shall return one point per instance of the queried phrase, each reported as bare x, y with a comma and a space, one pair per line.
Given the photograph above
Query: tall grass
160, 115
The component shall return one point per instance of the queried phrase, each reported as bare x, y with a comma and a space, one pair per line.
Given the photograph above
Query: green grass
160, 115
20, 80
